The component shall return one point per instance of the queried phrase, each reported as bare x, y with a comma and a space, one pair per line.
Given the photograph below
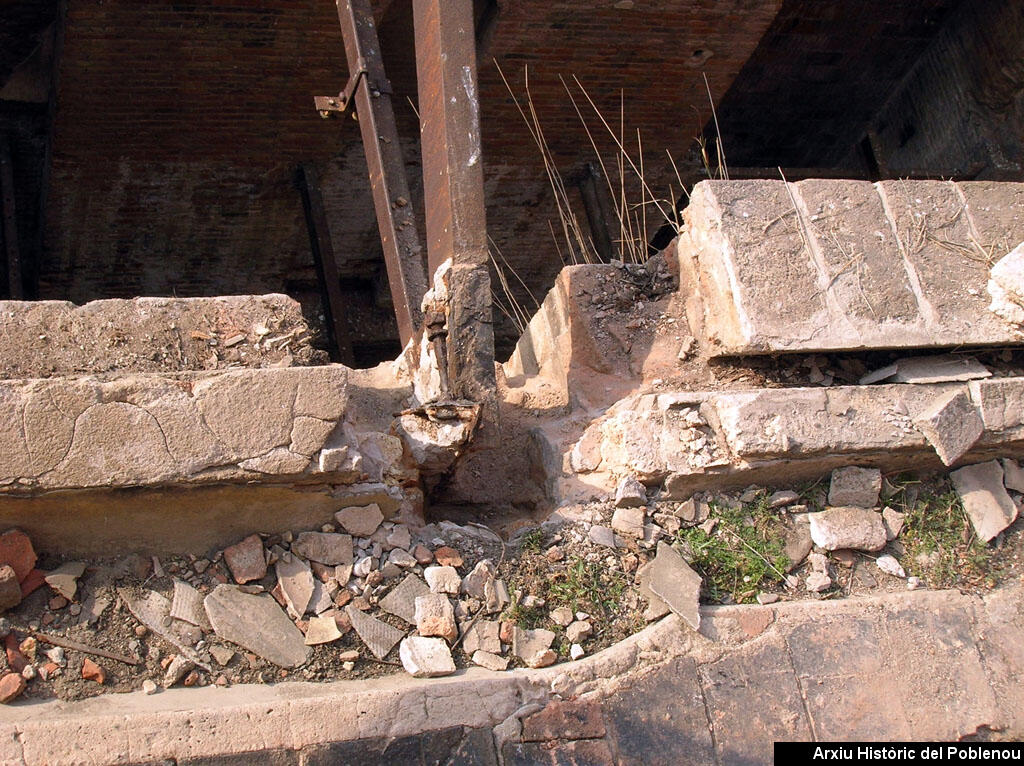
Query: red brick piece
246, 559
35, 579
16, 551
10, 590
11, 685
448, 557
15, 659
564, 720
92, 672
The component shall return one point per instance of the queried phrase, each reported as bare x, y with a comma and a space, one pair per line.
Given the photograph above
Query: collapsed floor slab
825, 265
684, 441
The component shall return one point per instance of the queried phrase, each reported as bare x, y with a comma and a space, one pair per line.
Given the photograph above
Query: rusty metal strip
453, 186
403, 252
15, 287
323, 258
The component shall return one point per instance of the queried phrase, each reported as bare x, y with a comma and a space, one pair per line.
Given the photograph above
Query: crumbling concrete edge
209, 722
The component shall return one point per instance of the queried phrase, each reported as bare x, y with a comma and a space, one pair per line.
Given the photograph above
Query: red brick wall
179, 125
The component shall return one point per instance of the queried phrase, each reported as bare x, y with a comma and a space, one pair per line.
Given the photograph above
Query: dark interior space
153, 145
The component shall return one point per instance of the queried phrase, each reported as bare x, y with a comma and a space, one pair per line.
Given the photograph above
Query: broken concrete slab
489, 660
947, 368
533, 646
675, 583
426, 657
246, 559
401, 600
482, 635
798, 542
985, 500
443, 579
187, 605
257, 624
379, 637
1008, 274
328, 548
855, 486
656, 607
296, 581
848, 527
951, 424
893, 521
154, 611
1013, 475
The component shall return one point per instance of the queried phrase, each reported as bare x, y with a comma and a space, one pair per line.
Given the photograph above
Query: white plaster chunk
426, 657
442, 579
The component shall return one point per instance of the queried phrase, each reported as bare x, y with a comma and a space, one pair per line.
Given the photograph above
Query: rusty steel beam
15, 288
326, 266
453, 187
403, 253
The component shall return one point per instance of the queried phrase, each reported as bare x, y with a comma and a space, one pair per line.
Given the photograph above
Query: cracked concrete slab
152, 429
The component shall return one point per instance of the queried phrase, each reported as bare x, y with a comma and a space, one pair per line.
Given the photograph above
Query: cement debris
675, 583
989, 507
256, 624
849, 527
853, 486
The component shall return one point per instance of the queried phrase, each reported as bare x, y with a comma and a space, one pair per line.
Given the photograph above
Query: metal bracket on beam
328, 106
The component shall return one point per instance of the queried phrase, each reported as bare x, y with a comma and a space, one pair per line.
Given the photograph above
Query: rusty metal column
453, 186
395, 219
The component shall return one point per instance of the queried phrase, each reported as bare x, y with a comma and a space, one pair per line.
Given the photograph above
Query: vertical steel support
403, 253
15, 288
453, 186
323, 258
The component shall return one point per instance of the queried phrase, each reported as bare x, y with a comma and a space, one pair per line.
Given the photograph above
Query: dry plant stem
723, 168
612, 134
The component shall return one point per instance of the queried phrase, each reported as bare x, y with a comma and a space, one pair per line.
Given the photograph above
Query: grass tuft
744, 552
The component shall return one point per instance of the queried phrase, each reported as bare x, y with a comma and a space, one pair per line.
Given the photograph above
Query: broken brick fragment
15, 659
92, 672
16, 551
448, 557
246, 559
11, 685
34, 579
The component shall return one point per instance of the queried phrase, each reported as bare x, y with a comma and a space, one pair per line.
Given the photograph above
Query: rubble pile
361, 594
